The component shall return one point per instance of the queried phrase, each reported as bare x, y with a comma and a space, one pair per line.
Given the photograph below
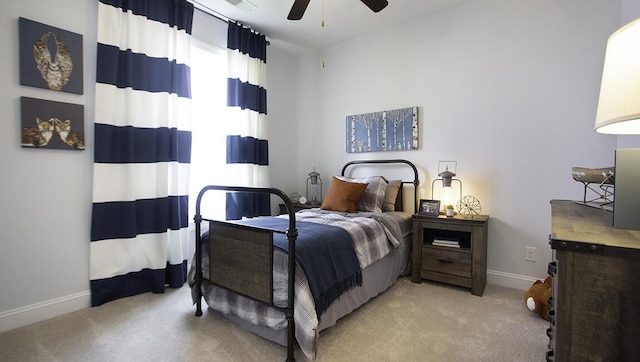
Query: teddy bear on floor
537, 297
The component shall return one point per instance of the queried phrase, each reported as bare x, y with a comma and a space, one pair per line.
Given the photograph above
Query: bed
288, 277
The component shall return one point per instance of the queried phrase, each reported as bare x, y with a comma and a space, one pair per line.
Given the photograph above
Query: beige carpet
409, 322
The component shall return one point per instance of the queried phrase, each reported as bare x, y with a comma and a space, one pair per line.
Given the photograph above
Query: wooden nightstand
296, 207
464, 263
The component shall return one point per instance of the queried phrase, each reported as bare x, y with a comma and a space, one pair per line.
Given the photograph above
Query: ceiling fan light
300, 6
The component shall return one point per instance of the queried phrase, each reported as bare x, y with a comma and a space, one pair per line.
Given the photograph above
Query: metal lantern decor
314, 188
448, 197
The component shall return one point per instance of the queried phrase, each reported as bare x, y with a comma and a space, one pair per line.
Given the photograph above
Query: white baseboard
514, 281
38, 312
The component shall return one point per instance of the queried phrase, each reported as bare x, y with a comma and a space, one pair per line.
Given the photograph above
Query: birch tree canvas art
392, 130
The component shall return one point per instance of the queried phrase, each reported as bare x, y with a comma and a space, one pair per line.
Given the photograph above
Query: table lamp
619, 113
447, 194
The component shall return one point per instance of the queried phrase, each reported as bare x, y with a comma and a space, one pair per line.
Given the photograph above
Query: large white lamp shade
619, 102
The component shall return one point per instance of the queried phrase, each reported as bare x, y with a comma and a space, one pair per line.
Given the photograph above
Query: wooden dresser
596, 286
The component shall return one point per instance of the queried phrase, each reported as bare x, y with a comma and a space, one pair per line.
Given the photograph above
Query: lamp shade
619, 102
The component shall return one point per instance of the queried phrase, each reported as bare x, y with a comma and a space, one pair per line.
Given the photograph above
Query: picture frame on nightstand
429, 207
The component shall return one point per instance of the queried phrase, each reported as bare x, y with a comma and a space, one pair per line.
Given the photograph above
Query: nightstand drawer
447, 262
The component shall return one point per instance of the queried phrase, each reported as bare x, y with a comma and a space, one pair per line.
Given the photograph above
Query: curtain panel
247, 144
142, 151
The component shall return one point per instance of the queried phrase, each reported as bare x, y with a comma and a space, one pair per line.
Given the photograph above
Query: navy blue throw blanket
325, 253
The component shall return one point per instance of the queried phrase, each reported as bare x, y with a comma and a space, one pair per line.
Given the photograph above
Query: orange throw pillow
343, 196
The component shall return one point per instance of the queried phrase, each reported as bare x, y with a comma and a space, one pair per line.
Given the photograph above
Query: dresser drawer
447, 261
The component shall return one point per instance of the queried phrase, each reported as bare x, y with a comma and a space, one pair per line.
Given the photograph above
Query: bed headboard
415, 182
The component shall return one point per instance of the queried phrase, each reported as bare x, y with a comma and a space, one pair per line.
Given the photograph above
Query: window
208, 149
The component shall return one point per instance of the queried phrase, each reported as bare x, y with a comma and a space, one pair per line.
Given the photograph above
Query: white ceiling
344, 19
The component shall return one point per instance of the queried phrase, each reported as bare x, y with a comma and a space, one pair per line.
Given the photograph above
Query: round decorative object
302, 200
295, 197
469, 206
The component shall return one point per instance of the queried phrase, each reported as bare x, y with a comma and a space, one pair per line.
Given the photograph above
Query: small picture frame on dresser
429, 207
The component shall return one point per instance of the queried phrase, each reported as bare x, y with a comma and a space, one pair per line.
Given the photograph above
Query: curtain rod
216, 14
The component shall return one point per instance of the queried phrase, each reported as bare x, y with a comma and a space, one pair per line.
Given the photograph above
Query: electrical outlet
530, 253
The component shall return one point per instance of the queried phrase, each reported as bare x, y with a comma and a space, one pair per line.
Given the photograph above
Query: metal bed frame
247, 281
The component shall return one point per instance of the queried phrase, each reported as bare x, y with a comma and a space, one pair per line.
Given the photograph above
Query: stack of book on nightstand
451, 243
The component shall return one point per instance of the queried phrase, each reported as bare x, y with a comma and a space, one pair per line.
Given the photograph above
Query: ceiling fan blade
376, 5
298, 9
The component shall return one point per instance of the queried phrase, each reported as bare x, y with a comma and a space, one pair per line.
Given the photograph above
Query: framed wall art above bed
392, 130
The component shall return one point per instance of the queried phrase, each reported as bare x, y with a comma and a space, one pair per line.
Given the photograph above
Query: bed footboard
241, 258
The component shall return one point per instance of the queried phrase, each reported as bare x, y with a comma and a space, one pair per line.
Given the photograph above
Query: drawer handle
446, 261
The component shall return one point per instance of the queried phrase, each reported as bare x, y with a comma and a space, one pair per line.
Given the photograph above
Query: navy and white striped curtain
139, 226
247, 145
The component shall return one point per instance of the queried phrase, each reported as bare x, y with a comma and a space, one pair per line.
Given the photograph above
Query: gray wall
507, 88
46, 194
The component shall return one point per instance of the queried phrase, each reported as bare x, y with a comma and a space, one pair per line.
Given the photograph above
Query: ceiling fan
299, 7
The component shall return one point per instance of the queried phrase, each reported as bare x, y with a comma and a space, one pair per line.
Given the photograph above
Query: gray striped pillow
373, 196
